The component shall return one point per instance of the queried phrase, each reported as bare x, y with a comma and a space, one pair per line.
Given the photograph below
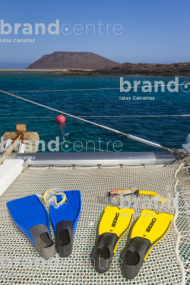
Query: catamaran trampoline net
167, 263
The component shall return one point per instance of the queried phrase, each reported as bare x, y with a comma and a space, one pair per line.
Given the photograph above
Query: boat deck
167, 263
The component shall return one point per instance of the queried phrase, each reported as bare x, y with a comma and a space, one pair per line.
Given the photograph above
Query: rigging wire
90, 122
98, 89
94, 89
133, 116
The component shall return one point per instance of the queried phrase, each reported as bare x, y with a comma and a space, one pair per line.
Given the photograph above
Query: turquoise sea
101, 106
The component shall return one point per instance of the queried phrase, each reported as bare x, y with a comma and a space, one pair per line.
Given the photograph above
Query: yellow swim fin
113, 224
147, 231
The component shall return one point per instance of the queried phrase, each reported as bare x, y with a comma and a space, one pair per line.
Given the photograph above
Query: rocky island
88, 63
127, 69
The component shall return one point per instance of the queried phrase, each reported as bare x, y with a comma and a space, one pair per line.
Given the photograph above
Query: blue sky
153, 31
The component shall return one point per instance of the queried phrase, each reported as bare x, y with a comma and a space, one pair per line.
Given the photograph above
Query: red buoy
60, 119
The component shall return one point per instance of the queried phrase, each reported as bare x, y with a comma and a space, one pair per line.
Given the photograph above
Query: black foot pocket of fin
133, 256
64, 238
43, 241
103, 253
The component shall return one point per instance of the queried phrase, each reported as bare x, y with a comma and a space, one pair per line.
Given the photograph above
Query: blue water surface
102, 106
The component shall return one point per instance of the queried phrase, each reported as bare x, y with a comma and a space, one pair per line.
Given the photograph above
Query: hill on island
72, 60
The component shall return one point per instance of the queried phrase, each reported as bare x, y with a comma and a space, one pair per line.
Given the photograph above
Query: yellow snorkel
134, 193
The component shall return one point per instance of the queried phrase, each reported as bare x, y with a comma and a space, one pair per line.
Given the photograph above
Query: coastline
66, 72
155, 74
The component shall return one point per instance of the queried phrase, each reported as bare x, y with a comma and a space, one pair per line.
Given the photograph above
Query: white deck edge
11, 168
87, 159
9, 171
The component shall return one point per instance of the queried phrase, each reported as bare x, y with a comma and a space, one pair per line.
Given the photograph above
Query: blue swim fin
31, 217
64, 220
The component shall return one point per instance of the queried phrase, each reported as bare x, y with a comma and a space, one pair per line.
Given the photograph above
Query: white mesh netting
167, 263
